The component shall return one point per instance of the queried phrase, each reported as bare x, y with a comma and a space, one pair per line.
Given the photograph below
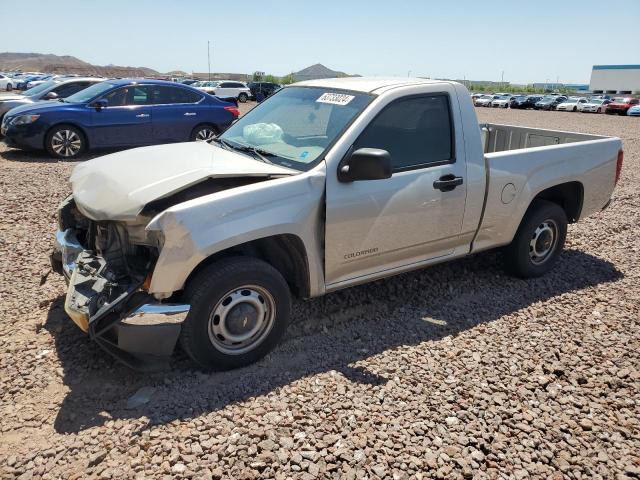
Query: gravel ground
455, 371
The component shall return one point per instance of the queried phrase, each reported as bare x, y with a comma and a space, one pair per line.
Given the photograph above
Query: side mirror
51, 96
365, 164
100, 104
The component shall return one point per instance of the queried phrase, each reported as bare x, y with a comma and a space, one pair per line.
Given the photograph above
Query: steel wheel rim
66, 143
242, 319
205, 135
543, 242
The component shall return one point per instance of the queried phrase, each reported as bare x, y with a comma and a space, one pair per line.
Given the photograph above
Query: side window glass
117, 97
170, 95
415, 131
131, 95
139, 96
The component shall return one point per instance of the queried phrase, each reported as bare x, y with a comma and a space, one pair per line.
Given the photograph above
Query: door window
132, 95
169, 95
417, 132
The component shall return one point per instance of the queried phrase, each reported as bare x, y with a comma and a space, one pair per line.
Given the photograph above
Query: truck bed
520, 162
500, 138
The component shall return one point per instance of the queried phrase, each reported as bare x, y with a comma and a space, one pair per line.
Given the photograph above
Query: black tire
204, 133
9, 87
243, 97
575, 109
599, 110
76, 146
207, 293
520, 258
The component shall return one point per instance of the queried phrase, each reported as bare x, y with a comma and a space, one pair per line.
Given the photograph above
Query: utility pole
409, 73
502, 81
209, 59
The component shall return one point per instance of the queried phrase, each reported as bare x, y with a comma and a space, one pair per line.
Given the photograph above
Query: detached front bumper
124, 320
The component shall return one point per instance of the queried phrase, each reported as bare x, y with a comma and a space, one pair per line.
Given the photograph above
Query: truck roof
365, 84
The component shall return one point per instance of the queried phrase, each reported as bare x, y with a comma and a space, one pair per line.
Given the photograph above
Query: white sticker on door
335, 98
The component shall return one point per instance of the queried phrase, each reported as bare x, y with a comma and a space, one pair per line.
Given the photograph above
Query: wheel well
568, 195
78, 127
286, 253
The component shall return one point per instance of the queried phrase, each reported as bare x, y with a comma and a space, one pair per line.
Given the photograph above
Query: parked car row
66, 117
25, 80
596, 104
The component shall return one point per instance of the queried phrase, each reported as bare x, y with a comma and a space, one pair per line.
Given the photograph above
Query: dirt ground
456, 371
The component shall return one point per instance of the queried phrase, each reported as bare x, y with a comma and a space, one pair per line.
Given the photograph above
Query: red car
621, 105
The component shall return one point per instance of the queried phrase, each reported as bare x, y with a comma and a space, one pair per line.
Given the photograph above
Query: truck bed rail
500, 138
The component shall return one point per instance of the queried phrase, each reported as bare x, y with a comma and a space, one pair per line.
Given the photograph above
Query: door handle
446, 183
142, 115
189, 114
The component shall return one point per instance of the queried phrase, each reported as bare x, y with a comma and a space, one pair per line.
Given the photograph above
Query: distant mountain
66, 64
318, 71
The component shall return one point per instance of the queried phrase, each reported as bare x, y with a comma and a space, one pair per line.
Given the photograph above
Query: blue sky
531, 41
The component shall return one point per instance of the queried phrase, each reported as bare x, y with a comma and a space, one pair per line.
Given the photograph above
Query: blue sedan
118, 113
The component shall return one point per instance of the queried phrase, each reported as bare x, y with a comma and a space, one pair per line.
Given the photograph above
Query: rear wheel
538, 242
204, 133
65, 141
243, 97
240, 309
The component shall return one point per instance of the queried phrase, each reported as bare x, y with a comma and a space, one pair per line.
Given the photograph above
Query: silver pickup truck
325, 185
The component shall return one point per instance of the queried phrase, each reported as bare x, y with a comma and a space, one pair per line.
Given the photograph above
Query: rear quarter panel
591, 163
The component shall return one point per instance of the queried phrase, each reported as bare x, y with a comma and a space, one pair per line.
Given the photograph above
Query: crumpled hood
119, 185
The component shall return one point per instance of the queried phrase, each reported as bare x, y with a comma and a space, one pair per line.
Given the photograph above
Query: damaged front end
108, 267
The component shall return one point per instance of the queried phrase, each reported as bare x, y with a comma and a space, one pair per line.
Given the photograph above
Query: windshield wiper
224, 144
258, 152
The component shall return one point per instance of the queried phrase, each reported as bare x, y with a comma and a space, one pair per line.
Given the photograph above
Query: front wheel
203, 133
599, 110
240, 309
9, 87
538, 242
243, 97
65, 141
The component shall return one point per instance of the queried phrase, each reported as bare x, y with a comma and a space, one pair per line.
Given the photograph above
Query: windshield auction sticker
335, 98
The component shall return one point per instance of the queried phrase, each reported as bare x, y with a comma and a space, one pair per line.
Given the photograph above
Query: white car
572, 105
225, 89
485, 100
502, 101
209, 87
6, 83
595, 105
634, 111
229, 88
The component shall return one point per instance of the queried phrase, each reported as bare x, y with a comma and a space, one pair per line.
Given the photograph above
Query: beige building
623, 79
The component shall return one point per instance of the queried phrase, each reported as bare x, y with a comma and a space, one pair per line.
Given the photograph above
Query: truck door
413, 216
